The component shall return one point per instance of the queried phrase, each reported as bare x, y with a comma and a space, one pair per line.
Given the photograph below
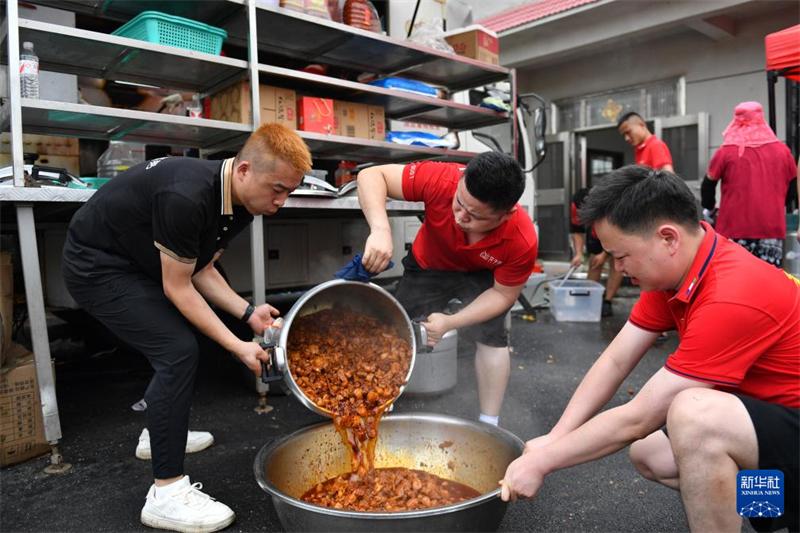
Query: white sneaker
185, 508
195, 442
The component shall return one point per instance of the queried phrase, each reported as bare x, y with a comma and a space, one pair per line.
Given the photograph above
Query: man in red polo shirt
650, 150
476, 244
730, 393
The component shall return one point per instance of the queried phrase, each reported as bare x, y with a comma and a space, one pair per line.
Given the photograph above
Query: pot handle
266, 377
421, 334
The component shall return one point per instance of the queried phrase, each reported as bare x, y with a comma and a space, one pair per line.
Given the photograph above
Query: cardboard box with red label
475, 42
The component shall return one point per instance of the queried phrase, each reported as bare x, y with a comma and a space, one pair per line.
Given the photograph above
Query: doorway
577, 159
599, 163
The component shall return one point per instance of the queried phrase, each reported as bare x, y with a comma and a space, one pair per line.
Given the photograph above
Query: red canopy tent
783, 59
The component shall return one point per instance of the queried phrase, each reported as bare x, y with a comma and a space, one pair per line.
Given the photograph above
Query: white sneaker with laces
185, 508
195, 442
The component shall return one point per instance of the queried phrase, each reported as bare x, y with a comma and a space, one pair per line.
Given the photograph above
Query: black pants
422, 292
135, 309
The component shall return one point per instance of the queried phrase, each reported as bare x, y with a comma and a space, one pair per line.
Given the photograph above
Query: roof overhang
602, 25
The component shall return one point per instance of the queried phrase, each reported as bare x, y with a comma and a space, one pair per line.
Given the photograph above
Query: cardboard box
234, 105
6, 303
21, 425
377, 123
351, 119
475, 42
359, 120
315, 115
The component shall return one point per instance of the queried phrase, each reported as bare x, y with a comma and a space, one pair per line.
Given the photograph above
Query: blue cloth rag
355, 271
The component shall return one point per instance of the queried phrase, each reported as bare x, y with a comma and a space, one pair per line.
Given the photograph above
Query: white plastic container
576, 300
195, 108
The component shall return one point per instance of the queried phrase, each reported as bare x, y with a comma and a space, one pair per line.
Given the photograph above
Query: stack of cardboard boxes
305, 113
21, 425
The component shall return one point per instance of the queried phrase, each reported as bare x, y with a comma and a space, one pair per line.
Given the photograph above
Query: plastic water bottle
29, 71
195, 108
119, 157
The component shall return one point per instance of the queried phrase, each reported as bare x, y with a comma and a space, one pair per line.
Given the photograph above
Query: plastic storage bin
576, 300
159, 28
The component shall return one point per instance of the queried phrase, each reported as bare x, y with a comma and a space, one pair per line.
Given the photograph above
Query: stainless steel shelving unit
99, 55
399, 105
68, 195
278, 35
315, 40
98, 122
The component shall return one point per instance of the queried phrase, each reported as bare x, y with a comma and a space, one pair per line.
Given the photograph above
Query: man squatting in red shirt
730, 393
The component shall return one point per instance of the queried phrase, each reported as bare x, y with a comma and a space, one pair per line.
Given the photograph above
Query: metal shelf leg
34, 295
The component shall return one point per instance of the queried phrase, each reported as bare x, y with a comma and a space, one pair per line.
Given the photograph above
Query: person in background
729, 395
140, 258
649, 149
597, 256
756, 170
476, 244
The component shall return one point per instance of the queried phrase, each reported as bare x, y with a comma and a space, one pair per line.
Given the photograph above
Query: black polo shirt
178, 206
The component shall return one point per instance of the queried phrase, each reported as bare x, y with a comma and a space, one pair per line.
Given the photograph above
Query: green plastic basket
159, 28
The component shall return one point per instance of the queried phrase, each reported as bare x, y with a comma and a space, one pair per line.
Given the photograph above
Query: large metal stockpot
366, 298
478, 457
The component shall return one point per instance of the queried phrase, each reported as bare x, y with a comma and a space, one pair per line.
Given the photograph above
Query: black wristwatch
248, 313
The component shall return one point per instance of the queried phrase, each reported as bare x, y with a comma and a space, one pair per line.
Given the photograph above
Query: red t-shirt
753, 190
509, 250
653, 153
738, 318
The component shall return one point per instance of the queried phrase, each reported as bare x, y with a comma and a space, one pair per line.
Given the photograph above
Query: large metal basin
289, 466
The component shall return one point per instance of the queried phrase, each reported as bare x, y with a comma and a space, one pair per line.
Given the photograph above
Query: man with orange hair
140, 257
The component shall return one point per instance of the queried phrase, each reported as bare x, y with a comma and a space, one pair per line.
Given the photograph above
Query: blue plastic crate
159, 28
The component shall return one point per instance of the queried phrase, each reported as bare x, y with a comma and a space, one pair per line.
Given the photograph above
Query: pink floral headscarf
748, 128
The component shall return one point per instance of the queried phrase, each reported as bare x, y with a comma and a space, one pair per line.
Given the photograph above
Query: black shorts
778, 436
593, 244
422, 292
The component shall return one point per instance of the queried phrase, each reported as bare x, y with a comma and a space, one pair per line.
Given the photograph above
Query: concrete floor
106, 488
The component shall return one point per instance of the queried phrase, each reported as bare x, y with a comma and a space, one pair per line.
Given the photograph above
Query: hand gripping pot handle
271, 372
421, 334
277, 357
